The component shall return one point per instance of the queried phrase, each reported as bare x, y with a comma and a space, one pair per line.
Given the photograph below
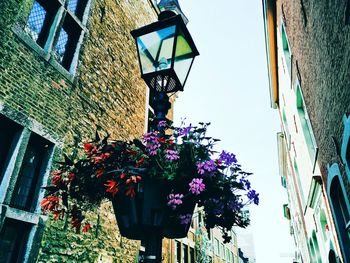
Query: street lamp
166, 53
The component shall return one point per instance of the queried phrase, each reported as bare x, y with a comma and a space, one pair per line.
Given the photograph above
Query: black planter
148, 212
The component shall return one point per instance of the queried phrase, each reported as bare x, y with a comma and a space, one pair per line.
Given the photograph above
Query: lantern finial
173, 6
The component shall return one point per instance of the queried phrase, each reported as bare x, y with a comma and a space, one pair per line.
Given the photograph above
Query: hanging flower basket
153, 183
148, 209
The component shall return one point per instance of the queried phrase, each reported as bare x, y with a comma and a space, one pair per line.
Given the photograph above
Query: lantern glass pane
156, 50
182, 68
183, 57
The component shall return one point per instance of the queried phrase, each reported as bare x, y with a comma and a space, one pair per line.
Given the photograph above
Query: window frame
286, 49
306, 125
47, 51
33, 218
345, 147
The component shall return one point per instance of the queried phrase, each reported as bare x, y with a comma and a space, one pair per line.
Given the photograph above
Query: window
40, 20
316, 247
217, 247
286, 129
340, 208
192, 258
306, 125
178, 251
347, 13
13, 239
32, 167
56, 26
185, 253
25, 157
286, 49
9, 131
345, 147
222, 250
300, 189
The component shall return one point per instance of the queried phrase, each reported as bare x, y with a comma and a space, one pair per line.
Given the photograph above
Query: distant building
245, 241
309, 72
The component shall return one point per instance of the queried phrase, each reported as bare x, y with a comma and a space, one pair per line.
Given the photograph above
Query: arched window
345, 147
312, 250
332, 258
340, 208
316, 247
324, 224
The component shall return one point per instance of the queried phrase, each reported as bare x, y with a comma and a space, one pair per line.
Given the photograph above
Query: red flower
122, 176
112, 187
161, 139
71, 176
134, 179
131, 152
58, 214
88, 147
139, 162
101, 158
56, 173
87, 228
99, 172
76, 223
130, 191
56, 179
50, 203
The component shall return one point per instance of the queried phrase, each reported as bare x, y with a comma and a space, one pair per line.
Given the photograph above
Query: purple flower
196, 186
162, 124
152, 143
207, 166
150, 137
185, 131
245, 183
175, 200
172, 155
227, 158
253, 196
152, 148
185, 219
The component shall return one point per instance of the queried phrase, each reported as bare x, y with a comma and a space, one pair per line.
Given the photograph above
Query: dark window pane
40, 20
8, 132
185, 253
36, 20
192, 255
72, 5
61, 45
77, 7
13, 239
30, 173
178, 252
67, 41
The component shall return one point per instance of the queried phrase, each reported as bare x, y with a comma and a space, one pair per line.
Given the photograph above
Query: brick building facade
67, 69
308, 62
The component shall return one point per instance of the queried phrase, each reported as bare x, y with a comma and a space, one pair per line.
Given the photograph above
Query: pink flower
172, 155
196, 186
175, 200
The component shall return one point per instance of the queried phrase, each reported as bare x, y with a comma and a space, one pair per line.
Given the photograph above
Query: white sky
228, 87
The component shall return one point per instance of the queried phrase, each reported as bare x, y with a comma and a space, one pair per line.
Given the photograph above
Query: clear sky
228, 86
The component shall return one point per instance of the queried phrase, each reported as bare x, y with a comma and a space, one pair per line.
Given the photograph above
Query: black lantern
166, 52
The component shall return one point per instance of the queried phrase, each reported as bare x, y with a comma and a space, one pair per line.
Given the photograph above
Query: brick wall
106, 94
319, 40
